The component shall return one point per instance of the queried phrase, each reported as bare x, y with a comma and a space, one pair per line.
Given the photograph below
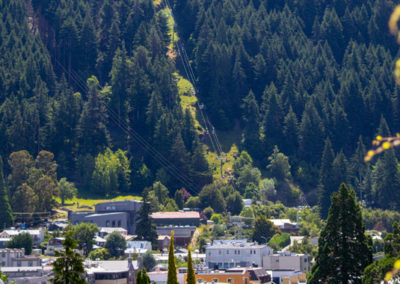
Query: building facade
122, 214
37, 235
189, 218
287, 261
229, 254
17, 258
234, 276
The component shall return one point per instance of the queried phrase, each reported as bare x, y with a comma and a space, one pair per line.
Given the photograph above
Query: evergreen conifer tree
325, 186
344, 250
142, 277
191, 276
69, 265
6, 216
145, 229
172, 277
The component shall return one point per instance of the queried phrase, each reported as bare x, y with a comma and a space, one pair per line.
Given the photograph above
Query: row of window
236, 252
215, 280
113, 223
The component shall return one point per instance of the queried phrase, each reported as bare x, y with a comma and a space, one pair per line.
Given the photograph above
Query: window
30, 263
3, 255
119, 223
251, 252
19, 263
113, 223
199, 280
219, 252
230, 280
3, 263
238, 251
227, 251
246, 280
107, 223
215, 280
254, 252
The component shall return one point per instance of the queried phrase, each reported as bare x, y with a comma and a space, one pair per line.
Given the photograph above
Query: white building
37, 235
139, 247
228, 254
287, 261
17, 258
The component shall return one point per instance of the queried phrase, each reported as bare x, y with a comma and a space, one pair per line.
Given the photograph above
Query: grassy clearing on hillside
228, 139
85, 203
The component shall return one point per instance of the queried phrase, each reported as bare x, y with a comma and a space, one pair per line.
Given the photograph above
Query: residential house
182, 234
54, 244
286, 226
28, 274
104, 231
163, 242
17, 258
37, 235
137, 247
111, 272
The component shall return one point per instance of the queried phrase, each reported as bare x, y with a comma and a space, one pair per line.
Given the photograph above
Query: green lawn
85, 203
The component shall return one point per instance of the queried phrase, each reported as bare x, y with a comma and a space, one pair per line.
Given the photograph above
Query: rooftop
108, 266
281, 222
176, 215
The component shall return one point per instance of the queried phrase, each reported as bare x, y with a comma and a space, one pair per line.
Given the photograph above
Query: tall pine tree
343, 248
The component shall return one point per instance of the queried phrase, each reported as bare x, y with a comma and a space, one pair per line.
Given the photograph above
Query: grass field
85, 203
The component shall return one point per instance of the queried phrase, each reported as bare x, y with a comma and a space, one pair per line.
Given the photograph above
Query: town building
163, 242
28, 274
223, 254
17, 258
104, 231
37, 235
287, 277
240, 275
286, 226
182, 234
122, 214
111, 272
137, 247
287, 261
54, 244
189, 218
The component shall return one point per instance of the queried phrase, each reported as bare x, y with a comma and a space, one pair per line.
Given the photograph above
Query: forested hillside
308, 83
87, 80
313, 77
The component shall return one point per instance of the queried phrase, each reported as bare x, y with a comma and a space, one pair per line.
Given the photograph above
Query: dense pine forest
87, 87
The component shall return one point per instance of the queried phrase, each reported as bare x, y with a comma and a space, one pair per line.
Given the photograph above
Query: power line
210, 129
156, 155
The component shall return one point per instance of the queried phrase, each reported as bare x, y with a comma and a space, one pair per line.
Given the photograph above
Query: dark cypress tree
6, 216
191, 276
343, 248
172, 277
